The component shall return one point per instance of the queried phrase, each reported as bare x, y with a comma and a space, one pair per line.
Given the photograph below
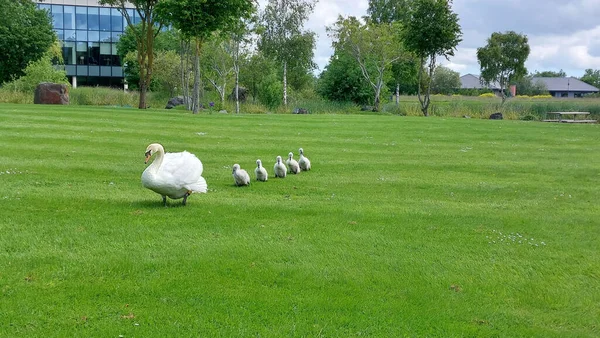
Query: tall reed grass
441, 105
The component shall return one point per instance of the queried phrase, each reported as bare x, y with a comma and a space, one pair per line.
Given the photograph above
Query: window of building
81, 17
57, 16
105, 54
82, 35
69, 17
82, 57
93, 36
93, 19
105, 19
94, 53
69, 53
69, 35
104, 36
116, 20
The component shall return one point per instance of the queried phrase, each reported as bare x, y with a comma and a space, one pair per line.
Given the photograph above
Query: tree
343, 81
127, 49
282, 37
253, 71
197, 20
25, 35
166, 71
549, 73
526, 86
432, 30
41, 70
388, 11
374, 46
502, 60
445, 80
145, 34
591, 77
218, 64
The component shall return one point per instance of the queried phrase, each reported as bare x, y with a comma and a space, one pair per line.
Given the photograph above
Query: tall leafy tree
431, 31
445, 80
342, 80
502, 60
283, 39
386, 11
145, 34
167, 40
374, 46
549, 73
197, 20
25, 35
592, 77
217, 64
253, 71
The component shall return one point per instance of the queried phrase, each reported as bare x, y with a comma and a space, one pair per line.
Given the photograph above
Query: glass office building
88, 33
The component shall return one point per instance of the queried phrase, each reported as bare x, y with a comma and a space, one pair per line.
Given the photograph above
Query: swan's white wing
183, 170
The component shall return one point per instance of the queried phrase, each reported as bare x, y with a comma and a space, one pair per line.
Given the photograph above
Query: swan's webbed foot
186, 196
164, 200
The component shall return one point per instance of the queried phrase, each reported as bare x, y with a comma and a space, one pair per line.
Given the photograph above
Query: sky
563, 34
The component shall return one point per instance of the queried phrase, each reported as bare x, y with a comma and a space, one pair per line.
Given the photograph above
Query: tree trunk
196, 92
237, 90
285, 83
397, 94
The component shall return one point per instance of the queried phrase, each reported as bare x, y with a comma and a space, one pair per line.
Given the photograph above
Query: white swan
260, 172
293, 164
303, 161
240, 176
279, 168
175, 175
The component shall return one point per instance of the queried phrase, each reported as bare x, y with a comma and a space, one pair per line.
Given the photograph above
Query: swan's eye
149, 152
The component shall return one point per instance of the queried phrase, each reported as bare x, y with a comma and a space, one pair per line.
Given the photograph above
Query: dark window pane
104, 36
81, 17
93, 36
93, 19
116, 20
69, 35
69, 53
94, 53
57, 16
82, 35
116, 60
82, 57
105, 54
104, 19
69, 17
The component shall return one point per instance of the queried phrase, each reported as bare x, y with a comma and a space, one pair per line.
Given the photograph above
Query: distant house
565, 86
470, 81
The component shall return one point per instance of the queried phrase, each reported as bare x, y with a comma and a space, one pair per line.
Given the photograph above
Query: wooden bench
558, 117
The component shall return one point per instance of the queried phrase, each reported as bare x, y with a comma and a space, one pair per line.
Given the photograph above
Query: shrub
487, 95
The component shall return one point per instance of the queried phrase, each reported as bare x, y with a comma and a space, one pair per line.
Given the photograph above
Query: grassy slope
404, 227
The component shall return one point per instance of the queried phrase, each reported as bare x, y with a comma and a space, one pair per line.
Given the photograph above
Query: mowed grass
406, 226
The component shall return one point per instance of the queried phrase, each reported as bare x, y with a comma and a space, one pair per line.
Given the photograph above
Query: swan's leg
164, 200
186, 196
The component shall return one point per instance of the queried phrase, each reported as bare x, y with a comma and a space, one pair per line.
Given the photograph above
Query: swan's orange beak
148, 155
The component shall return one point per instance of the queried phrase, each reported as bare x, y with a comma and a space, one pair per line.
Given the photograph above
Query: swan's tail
199, 186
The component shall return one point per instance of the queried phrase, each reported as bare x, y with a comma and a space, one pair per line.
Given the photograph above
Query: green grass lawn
406, 226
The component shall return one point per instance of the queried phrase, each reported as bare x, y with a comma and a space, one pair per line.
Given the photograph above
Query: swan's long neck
158, 160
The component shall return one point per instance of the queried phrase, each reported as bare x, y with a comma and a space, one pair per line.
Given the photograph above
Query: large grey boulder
51, 93
174, 101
